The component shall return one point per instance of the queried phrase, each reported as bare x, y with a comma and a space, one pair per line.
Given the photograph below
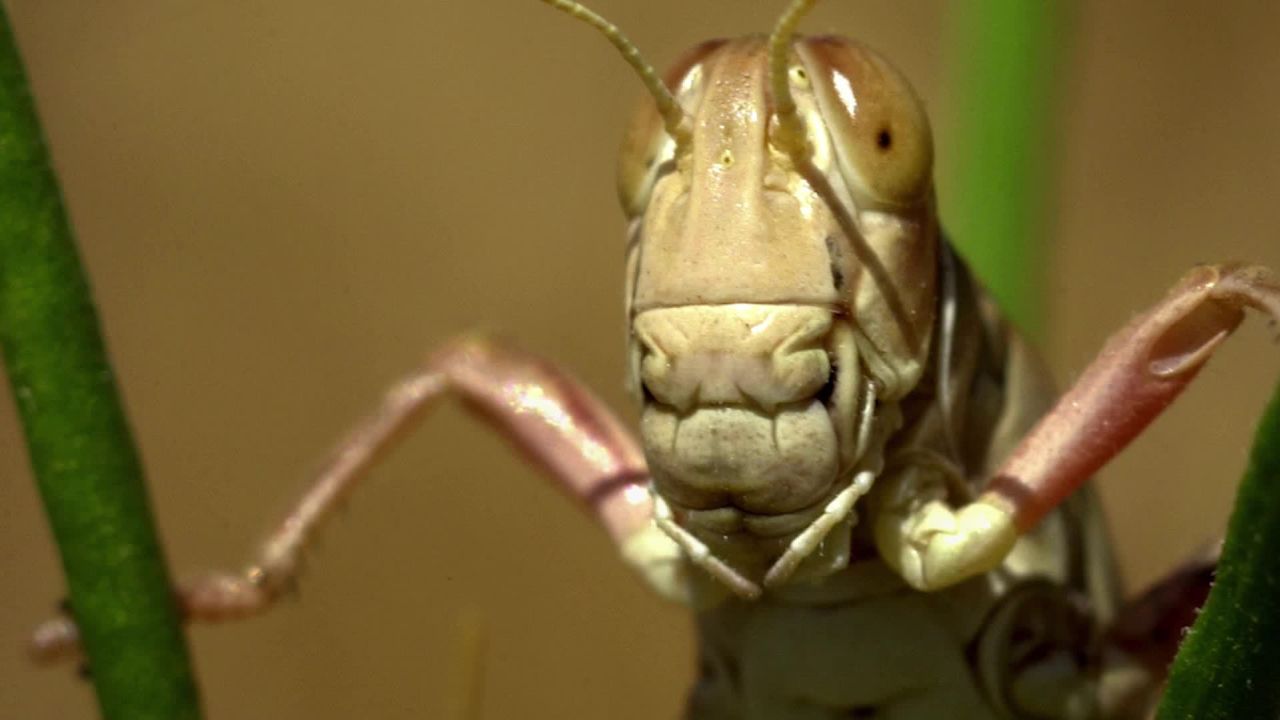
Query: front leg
555, 421
931, 544
1139, 372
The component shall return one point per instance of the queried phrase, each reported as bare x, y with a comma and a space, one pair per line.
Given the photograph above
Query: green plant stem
1227, 667
84, 460
1005, 62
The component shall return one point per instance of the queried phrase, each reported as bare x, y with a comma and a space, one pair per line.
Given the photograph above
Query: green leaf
1005, 61
1228, 666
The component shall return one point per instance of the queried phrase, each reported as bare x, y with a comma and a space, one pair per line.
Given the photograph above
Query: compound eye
878, 126
647, 146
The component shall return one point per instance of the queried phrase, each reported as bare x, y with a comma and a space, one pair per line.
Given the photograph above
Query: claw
945, 546
660, 561
54, 641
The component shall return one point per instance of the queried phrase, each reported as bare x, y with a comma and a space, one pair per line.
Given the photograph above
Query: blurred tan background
283, 205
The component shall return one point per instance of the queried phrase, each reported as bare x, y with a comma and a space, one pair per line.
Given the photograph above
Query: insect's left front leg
1139, 372
556, 423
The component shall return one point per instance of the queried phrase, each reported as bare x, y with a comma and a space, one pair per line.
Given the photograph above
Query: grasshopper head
781, 287
843, 220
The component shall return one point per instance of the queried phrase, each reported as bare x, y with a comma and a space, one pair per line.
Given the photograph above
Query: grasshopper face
780, 302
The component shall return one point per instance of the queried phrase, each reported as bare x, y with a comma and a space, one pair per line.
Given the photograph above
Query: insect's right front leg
556, 423
1142, 369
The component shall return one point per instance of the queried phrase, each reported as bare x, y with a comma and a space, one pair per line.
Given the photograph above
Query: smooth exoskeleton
849, 464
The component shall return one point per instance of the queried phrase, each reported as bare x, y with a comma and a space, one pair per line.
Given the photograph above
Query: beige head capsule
782, 270
738, 214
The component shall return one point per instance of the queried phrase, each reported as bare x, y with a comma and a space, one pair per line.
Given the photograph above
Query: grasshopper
840, 436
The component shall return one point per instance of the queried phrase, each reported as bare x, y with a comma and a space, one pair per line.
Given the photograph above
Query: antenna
675, 120
791, 134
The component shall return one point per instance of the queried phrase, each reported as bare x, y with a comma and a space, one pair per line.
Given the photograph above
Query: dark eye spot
884, 139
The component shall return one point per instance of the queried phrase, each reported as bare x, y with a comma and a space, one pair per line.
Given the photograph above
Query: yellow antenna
674, 118
790, 127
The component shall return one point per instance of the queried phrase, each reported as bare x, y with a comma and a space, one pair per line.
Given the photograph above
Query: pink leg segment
555, 421
1139, 372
